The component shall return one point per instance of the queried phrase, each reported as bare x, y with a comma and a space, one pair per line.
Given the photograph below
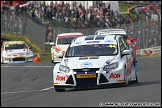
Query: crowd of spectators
98, 16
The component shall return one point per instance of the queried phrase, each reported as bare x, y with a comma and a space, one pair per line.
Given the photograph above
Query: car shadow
111, 86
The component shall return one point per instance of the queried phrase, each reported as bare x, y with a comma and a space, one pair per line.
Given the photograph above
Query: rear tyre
135, 81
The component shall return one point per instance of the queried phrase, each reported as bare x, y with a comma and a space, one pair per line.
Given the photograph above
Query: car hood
63, 47
87, 62
19, 51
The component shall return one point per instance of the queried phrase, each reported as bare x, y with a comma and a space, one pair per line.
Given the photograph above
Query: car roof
99, 39
67, 34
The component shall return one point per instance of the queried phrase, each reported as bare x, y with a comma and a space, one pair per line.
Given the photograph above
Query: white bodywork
87, 71
111, 31
58, 50
14, 54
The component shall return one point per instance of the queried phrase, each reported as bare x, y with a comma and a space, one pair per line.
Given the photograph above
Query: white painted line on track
27, 91
27, 66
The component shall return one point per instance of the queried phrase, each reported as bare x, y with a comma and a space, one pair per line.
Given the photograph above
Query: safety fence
149, 51
147, 31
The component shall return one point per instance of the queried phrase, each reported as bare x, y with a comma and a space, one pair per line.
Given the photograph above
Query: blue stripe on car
90, 37
100, 37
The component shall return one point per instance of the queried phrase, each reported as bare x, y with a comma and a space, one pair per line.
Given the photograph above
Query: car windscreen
92, 50
12, 46
66, 39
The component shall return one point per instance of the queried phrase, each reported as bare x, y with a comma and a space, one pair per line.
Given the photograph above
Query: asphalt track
31, 85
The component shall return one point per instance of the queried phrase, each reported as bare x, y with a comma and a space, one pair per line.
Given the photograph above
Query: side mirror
132, 39
30, 47
52, 43
126, 52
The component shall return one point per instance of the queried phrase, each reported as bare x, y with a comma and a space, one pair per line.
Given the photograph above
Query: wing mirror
126, 52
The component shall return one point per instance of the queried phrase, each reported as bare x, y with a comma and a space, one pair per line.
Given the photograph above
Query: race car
15, 51
121, 32
59, 47
95, 61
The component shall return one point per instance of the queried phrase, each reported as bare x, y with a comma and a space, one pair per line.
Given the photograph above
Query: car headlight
64, 68
28, 53
110, 66
8, 54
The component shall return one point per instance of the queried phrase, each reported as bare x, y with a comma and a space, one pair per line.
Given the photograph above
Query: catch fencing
23, 25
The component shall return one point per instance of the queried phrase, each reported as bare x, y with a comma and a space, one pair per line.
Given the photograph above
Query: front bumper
93, 79
17, 59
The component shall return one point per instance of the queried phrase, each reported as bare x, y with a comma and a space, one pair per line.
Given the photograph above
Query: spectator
80, 6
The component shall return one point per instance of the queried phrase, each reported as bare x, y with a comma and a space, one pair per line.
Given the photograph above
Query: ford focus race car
120, 32
59, 47
94, 61
15, 51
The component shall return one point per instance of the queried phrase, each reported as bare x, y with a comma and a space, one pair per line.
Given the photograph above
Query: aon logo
113, 75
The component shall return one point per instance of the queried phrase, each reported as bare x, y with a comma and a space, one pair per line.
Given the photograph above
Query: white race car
58, 48
15, 51
94, 61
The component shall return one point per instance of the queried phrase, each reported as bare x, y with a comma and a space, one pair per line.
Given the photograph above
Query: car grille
89, 69
86, 82
18, 59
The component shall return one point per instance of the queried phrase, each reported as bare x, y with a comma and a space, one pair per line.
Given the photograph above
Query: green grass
47, 55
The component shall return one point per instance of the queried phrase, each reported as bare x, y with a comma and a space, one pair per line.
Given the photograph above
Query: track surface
31, 85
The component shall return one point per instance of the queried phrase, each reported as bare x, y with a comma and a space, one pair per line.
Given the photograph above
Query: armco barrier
149, 51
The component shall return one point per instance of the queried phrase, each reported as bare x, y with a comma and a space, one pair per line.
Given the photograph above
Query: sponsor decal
77, 43
129, 65
55, 83
120, 80
89, 57
60, 78
86, 64
86, 76
93, 42
114, 75
109, 41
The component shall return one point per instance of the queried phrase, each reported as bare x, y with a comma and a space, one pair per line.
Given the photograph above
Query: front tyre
59, 90
52, 58
125, 78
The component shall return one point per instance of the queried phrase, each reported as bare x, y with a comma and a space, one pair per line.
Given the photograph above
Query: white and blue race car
15, 52
94, 61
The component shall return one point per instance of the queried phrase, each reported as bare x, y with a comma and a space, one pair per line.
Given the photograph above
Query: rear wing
121, 32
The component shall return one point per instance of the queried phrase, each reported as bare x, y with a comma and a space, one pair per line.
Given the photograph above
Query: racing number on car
112, 46
60, 78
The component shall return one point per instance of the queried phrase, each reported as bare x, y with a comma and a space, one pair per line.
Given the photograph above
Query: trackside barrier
150, 51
